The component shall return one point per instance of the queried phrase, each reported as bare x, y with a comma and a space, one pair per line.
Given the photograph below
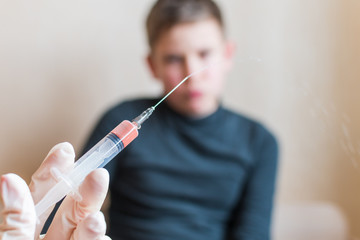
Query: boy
197, 170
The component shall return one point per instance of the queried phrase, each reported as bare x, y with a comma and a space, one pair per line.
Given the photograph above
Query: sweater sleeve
251, 218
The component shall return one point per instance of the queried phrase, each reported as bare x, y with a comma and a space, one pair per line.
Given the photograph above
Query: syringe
98, 156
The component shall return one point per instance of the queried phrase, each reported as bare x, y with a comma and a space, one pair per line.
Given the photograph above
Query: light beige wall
62, 63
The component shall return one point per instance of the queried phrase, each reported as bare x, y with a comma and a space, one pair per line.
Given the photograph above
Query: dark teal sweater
190, 179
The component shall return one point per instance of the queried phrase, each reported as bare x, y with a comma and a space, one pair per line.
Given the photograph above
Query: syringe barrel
98, 156
104, 151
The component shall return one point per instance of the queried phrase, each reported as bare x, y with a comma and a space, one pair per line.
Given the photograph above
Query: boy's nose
190, 67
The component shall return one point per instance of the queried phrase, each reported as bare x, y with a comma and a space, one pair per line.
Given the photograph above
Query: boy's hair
168, 13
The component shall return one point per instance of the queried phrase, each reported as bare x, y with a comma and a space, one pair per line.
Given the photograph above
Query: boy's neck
195, 114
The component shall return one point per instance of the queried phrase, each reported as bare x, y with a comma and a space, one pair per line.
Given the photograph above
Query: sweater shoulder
255, 129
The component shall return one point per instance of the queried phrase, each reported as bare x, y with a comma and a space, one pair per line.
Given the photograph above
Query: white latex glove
75, 220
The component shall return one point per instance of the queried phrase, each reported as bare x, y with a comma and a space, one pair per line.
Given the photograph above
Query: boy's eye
173, 59
204, 53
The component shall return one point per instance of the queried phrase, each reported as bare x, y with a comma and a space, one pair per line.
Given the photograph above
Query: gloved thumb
18, 211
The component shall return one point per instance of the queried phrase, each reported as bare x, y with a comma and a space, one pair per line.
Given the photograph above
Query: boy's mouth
195, 94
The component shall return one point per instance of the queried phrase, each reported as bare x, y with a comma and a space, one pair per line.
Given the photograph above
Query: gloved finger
18, 213
93, 227
93, 191
61, 156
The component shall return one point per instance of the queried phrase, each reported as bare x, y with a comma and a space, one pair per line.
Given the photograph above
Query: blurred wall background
297, 69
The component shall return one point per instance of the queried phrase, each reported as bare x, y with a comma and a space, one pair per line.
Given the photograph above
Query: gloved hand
75, 220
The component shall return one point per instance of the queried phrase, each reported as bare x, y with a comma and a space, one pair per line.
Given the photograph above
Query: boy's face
187, 48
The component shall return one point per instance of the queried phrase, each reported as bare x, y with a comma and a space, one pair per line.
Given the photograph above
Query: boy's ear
150, 63
230, 48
